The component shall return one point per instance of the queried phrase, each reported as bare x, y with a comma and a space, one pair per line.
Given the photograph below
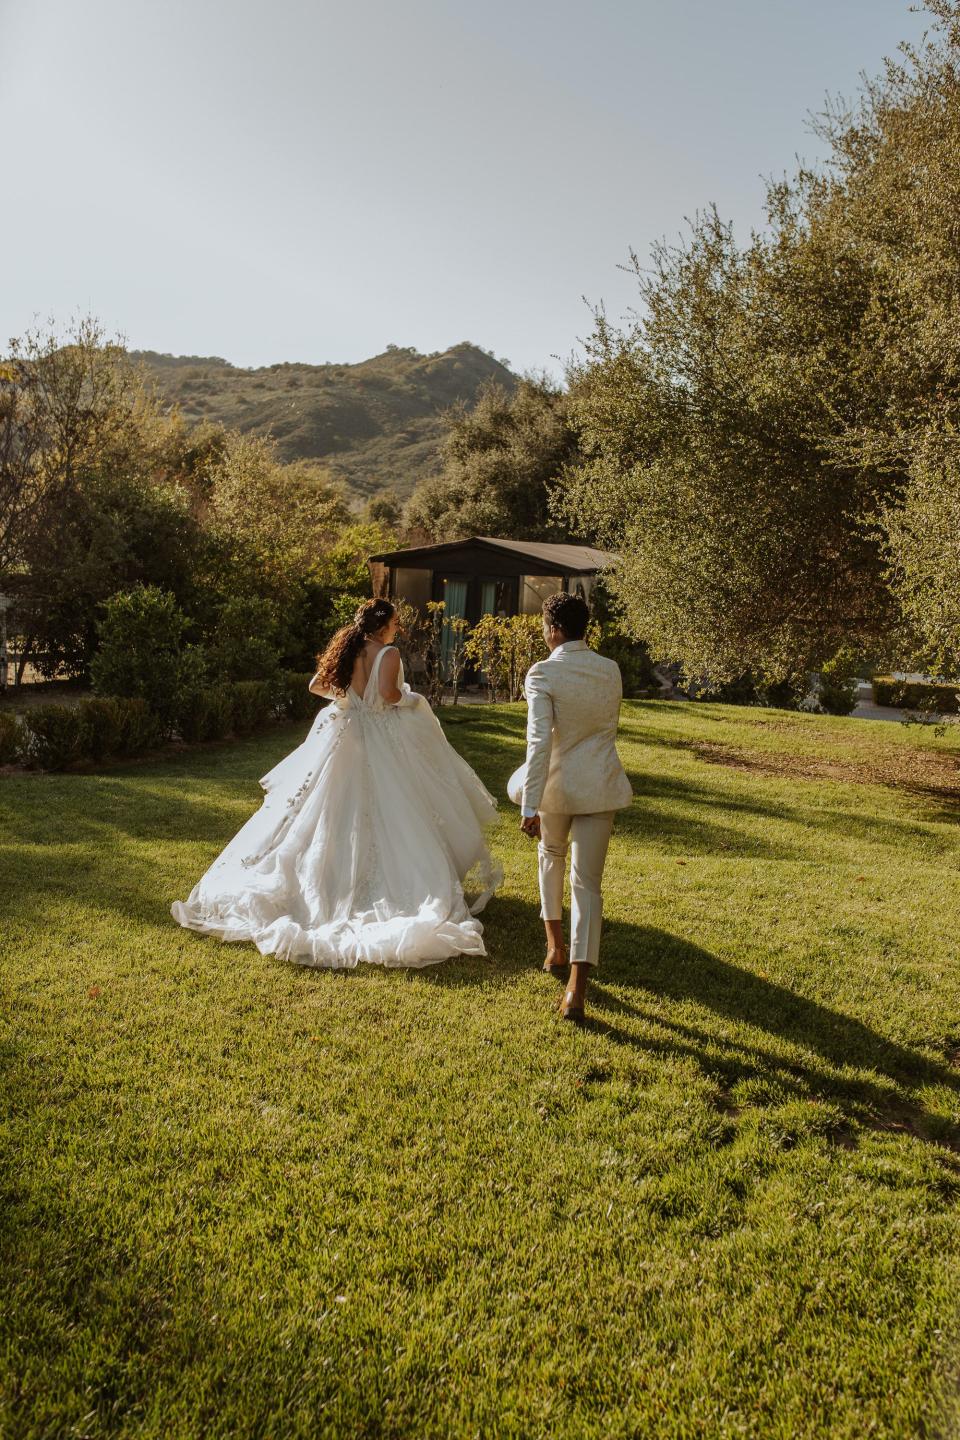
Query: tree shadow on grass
642, 967
671, 796
690, 815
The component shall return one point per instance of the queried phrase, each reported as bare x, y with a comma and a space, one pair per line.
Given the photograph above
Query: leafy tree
91, 495
112, 532
64, 404
281, 514
499, 461
385, 508
245, 642
337, 581
923, 534
755, 440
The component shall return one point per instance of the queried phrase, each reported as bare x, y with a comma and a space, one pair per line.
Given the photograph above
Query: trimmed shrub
916, 695
12, 739
292, 698
102, 721
140, 729
205, 714
142, 654
252, 705
220, 712
55, 736
193, 715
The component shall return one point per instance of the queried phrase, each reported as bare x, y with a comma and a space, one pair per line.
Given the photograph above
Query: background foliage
772, 443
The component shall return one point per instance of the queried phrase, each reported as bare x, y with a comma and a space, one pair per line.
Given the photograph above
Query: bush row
916, 694
53, 736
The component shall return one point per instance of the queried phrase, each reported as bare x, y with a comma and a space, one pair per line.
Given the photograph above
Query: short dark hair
567, 613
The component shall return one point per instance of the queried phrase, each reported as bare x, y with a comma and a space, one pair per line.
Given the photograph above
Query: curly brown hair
567, 613
335, 664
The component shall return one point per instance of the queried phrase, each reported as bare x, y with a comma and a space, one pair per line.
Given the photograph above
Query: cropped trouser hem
587, 837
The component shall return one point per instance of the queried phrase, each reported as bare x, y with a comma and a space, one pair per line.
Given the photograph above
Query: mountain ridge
377, 423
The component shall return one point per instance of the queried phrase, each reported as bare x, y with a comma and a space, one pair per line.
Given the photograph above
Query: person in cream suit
571, 785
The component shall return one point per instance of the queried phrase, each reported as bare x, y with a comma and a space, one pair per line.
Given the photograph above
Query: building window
496, 597
534, 589
583, 586
414, 586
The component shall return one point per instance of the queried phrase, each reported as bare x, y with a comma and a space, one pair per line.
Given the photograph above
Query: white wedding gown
366, 846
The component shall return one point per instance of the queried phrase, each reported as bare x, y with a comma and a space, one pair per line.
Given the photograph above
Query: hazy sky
301, 180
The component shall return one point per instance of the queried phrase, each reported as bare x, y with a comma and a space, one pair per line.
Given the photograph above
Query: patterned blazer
573, 708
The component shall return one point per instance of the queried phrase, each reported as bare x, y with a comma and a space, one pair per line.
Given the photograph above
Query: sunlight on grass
247, 1199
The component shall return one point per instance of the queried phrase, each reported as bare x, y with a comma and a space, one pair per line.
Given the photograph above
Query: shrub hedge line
916, 695
103, 727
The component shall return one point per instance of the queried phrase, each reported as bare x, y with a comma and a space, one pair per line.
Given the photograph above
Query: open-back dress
369, 845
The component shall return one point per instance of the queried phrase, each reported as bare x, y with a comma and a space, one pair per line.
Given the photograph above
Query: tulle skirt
369, 846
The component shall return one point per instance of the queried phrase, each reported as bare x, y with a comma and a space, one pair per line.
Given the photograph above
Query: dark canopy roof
548, 558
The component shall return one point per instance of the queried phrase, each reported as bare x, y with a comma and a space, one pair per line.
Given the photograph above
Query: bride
370, 833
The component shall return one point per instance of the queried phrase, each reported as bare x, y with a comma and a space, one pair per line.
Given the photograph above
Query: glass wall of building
414, 586
534, 589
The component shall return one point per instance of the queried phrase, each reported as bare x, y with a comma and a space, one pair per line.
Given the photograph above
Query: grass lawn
241, 1198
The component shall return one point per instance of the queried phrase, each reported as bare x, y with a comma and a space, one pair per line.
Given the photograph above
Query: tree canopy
769, 442
499, 461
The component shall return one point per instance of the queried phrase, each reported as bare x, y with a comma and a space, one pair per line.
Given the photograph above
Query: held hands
530, 825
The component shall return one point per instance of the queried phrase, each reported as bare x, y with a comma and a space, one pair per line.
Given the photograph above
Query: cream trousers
588, 837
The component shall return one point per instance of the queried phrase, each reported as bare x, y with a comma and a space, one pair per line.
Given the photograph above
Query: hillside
377, 424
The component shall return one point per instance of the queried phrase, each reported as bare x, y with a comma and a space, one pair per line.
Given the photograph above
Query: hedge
254, 705
53, 736
292, 696
11, 739
916, 694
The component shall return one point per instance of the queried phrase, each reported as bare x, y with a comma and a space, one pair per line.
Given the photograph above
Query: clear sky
302, 180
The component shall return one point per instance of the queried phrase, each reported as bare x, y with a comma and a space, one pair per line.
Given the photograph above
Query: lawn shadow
811, 1051
642, 966
686, 814
667, 824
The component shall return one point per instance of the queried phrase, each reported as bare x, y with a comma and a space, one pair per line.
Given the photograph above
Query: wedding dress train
366, 846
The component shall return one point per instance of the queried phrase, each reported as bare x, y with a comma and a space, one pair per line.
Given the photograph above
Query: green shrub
747, 689
245, 643
140, 729
56, 736
200, 712
930, 695
103, 721
207, 714
636, 667
220, 712
253, 706
837, 689
12, 739
191, 718
740, 691
142, 654
291, 696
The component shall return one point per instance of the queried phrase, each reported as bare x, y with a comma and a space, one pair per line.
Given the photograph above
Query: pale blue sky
310, 181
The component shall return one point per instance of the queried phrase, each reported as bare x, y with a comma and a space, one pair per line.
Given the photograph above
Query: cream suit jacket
573, 706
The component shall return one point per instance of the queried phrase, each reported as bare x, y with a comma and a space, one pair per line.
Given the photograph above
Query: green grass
246, 1199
